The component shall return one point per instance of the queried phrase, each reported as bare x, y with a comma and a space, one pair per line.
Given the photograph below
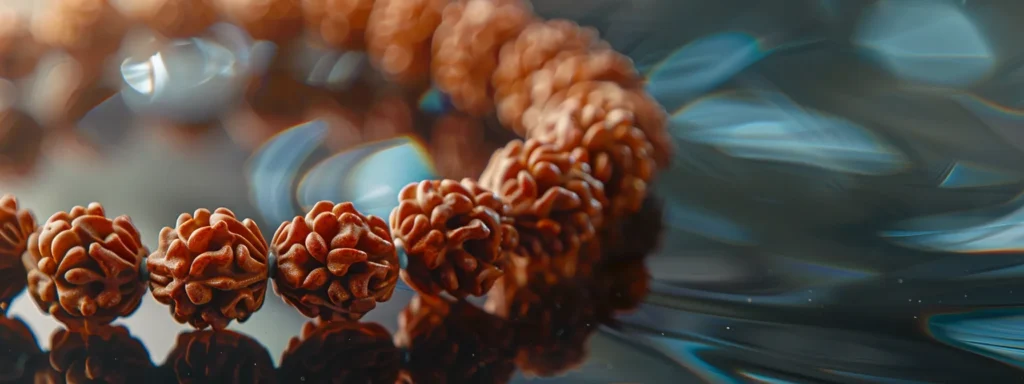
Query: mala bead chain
456, 235
83, 268
334, 263
278, 21
210, 269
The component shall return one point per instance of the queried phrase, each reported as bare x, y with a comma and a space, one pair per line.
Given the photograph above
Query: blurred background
843, 204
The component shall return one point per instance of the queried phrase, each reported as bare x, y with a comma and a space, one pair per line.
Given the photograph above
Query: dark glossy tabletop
844, 206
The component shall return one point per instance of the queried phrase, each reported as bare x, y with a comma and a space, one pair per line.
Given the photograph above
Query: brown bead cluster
210, 268
335, 263
457, 236
83, 268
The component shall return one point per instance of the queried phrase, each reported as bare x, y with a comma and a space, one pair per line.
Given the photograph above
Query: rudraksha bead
341, 352
555, 202
278, 21
175, 18
598, 117
338, 23
210, 268
106, 355
653, 120
456, 236
454, 343
88, 30
83, 268
466, 45
335, 263
21, 141
552, 320
398, 38
16, 225
219, 357
524, 104
19, 51
538, 44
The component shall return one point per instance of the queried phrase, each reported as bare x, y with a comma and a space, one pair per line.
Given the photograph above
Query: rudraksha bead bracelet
592, 142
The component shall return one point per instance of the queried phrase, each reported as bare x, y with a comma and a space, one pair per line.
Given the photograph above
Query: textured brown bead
210, 268
456, 236
555, 202
398, 38
89, 30
552, 319
83, 268
453, 343
458, 147
175, 18
466, 46
16, 225
338, 23
106, 355
19, 51
278, 21
21, 141
537, 45
341, 352
335, 263
219, 357
598, 117
519, 106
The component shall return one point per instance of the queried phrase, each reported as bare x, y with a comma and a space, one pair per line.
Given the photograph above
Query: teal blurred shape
768, 126
996, 229
932, 42
969, 175
275, 168
701, 66
369, 176
994, 333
